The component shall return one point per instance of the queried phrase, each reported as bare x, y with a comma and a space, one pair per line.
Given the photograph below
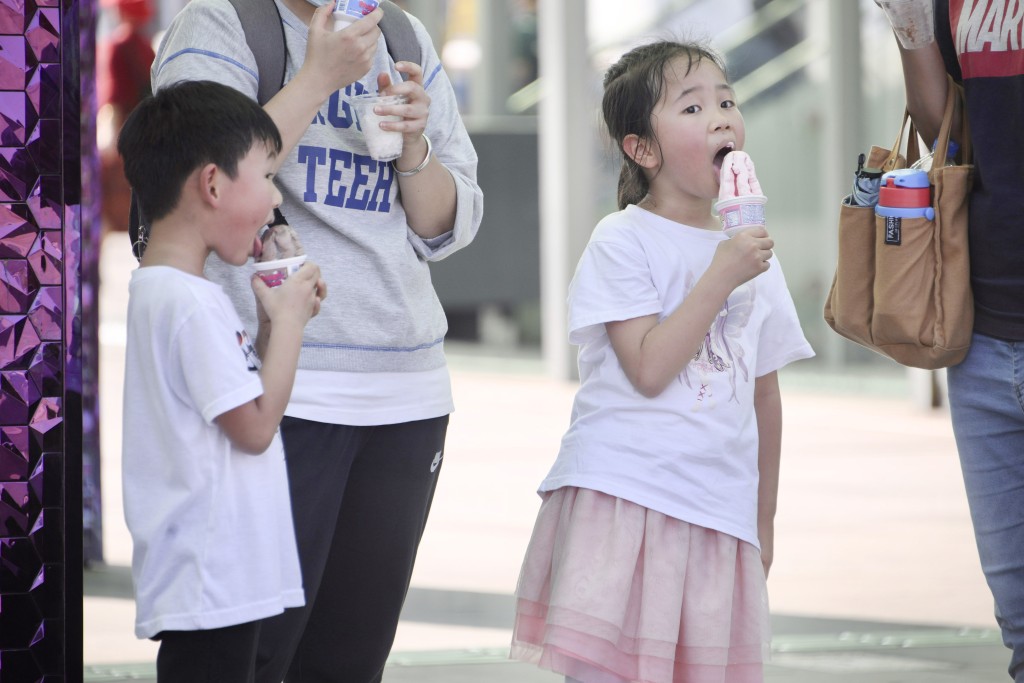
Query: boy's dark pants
220, 655
360, 500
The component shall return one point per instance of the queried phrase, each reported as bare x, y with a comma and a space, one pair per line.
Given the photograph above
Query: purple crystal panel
47, 247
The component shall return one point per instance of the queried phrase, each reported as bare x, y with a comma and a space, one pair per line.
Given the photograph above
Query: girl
654, 538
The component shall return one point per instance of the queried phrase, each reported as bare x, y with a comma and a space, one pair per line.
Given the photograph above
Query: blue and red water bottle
905, 193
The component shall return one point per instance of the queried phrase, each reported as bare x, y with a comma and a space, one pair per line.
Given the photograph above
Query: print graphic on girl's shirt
248, 350
721, 351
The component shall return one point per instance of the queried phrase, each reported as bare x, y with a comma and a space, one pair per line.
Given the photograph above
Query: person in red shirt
123, 59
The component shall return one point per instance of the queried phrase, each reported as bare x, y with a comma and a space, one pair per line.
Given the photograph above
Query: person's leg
986, 396
319, 457
222, 655
390, 488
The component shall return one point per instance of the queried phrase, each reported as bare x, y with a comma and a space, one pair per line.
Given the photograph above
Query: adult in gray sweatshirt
364, 431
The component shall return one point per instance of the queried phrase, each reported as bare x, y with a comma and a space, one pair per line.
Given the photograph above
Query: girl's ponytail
633, 183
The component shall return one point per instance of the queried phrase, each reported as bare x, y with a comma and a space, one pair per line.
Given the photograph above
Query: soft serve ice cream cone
740, 202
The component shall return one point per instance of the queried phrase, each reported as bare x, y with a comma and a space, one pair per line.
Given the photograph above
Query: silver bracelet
423, 164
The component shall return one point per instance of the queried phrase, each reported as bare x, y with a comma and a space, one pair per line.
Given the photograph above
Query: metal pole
843, 131
567, 161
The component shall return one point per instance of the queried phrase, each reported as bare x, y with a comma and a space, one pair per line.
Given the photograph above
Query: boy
205, 485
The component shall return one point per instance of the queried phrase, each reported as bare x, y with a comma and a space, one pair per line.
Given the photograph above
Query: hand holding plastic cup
384, 145
347, 11
273, 273
913, 21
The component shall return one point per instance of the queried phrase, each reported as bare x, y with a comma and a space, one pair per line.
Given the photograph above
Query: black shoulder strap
399, 34
264, 34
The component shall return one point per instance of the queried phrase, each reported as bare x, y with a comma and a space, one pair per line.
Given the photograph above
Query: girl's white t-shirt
690, 452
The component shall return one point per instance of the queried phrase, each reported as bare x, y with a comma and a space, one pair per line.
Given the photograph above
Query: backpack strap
264, 34
399, 34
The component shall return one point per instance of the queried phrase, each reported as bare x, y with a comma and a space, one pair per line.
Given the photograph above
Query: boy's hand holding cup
279, 257
294, 300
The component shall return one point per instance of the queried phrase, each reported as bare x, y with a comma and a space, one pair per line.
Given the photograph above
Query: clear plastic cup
273, 273
913, 21
384, 145
740, 213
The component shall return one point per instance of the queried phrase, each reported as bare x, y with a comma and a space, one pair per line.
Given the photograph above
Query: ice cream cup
384, 145
740, 213
913, 21
273, 273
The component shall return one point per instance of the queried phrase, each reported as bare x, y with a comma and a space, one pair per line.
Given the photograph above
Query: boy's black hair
632, 89
183, 127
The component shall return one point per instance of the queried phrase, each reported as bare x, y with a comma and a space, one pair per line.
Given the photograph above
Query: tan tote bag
910, 301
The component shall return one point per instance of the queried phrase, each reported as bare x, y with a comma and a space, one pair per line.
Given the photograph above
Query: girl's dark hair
184, 127
632, 89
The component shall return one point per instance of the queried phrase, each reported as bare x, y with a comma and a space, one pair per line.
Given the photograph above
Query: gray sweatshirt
382, 314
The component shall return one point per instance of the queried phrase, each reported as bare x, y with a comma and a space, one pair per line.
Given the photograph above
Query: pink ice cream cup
273, 273
740, 202
741, 213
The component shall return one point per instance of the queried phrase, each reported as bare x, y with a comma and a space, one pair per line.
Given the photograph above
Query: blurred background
874, 551
817, 82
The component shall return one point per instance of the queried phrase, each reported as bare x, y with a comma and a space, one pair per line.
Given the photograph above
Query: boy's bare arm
251, 426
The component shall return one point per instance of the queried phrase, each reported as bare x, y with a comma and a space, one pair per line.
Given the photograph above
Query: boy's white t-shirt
214, 543
690, 452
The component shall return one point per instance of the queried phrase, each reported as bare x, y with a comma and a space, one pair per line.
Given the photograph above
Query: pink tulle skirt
612, 592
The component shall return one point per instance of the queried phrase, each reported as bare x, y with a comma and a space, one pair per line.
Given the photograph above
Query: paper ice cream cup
383, 145
739, 213
273, 273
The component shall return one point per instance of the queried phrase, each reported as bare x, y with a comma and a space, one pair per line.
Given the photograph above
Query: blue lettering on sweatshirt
354, 181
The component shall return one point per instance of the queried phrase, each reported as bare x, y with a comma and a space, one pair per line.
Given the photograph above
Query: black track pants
360, 500
220, 655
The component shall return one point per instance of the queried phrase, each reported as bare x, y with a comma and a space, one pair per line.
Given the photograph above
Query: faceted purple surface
18, 395
20, 616
16, 289
45, 368
45, 313
14, 464
17, 233
45, 203
14, 509
12, 118
12, 62
44, 91
45, 259
13, 16
44, 145
19, 565
44, 35
18, 340
46, 82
